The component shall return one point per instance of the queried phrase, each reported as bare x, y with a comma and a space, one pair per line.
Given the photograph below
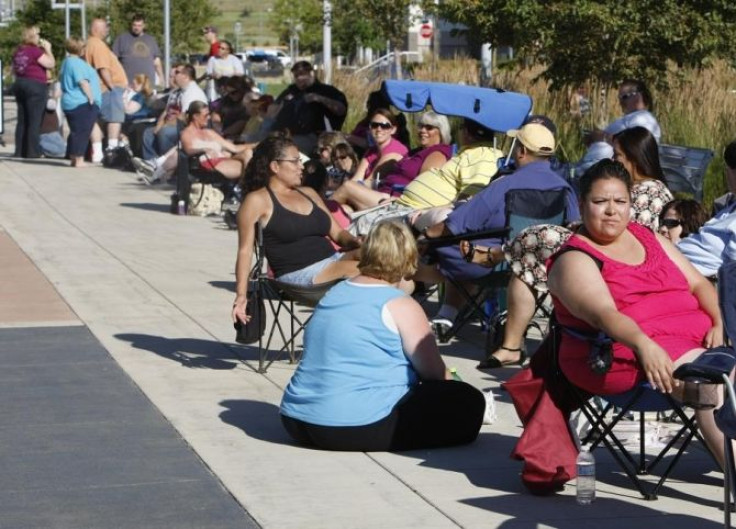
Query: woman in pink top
387, 148
30, 62
619, 278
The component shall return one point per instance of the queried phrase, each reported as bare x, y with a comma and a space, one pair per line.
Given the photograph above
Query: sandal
494, 363
481, 255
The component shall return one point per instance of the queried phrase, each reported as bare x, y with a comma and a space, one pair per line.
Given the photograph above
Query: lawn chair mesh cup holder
524, 208
715, 366
276, 298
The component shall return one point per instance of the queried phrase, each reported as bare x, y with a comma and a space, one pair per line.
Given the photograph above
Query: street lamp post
237, 28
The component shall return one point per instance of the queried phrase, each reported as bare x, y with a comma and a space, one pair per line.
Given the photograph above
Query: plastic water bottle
454, 374
585, 493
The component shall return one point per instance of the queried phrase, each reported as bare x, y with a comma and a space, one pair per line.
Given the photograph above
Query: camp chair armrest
495, 233
709, 367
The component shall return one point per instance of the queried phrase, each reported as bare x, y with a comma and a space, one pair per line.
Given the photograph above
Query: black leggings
433, 414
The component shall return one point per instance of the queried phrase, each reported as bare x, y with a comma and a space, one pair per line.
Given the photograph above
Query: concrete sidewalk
155, 290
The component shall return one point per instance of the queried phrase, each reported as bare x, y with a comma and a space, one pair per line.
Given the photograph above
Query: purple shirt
25, 63
373, 154
408, 168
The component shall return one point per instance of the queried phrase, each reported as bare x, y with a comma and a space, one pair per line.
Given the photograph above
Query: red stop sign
425, 31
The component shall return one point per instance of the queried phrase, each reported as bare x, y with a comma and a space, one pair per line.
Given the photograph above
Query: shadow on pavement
259, 420
224, 285
562, 512
162, 208
189, 352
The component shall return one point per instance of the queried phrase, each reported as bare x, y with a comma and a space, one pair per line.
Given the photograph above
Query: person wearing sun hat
533, 147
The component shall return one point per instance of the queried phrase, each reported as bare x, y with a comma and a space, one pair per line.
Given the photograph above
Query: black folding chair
523, 208
282, 298
189, 170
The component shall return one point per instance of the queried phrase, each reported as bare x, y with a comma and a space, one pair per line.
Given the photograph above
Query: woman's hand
238, 313
657, 366
714, 337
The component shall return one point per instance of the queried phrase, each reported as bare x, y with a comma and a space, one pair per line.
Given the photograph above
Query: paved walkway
103, 269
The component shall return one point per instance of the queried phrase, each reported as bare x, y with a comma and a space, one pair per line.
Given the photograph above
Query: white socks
111, 144
96, 151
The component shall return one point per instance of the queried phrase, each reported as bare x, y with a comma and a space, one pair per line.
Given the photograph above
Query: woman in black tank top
295, 222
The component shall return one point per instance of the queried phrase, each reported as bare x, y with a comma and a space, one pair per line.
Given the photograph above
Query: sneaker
143, 166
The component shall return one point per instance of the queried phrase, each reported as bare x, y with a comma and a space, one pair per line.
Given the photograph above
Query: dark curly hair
257, 172
691, 213
603, 170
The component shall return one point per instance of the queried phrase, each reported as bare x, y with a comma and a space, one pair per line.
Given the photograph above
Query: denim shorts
113, 108
305, 276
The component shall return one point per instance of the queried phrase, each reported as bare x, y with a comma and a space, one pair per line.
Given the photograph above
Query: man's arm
333, 105
105, 77
159, 71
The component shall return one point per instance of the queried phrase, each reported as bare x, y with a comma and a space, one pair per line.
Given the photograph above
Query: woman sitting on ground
295, 224
215, 152
680, 218
618, 277
372, 378
434, 151
637, 150
386, 148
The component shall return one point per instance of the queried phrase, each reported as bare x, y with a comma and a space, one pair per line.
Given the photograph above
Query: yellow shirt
97, 54
464, 174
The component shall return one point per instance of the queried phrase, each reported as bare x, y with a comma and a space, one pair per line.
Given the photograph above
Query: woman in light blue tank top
371, 377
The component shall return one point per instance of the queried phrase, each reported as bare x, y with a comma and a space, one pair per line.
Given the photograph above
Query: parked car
261, 63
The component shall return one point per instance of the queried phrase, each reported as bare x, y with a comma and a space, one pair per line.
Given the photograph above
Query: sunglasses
380, 125
426, 127
627, 95
343, 157
671, 223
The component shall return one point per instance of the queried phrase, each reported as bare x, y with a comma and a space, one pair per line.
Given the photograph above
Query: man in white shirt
635, 101
158, 140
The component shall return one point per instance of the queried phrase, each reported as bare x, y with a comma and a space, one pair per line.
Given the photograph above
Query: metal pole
167, 42
67, 29
327, 40
84, 21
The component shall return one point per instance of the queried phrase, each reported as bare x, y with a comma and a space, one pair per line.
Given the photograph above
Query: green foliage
355, 23
187, 19
602, 40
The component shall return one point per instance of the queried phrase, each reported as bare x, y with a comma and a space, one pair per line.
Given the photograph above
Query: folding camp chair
640, 400
523, 208
282, 298
188, 171
714, 367
684, 168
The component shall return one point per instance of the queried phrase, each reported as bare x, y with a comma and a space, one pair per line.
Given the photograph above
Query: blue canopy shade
495, 109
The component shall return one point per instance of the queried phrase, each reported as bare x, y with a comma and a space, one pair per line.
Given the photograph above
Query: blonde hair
389, 252
29, 34
143, 80
74, 45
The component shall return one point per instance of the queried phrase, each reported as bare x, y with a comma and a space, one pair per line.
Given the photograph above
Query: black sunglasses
380, 125
671, 223
627, 95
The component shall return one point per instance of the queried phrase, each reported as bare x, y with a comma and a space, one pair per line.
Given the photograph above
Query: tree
350, 28
603, 40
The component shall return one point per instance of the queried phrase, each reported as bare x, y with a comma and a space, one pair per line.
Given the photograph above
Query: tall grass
698, 110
